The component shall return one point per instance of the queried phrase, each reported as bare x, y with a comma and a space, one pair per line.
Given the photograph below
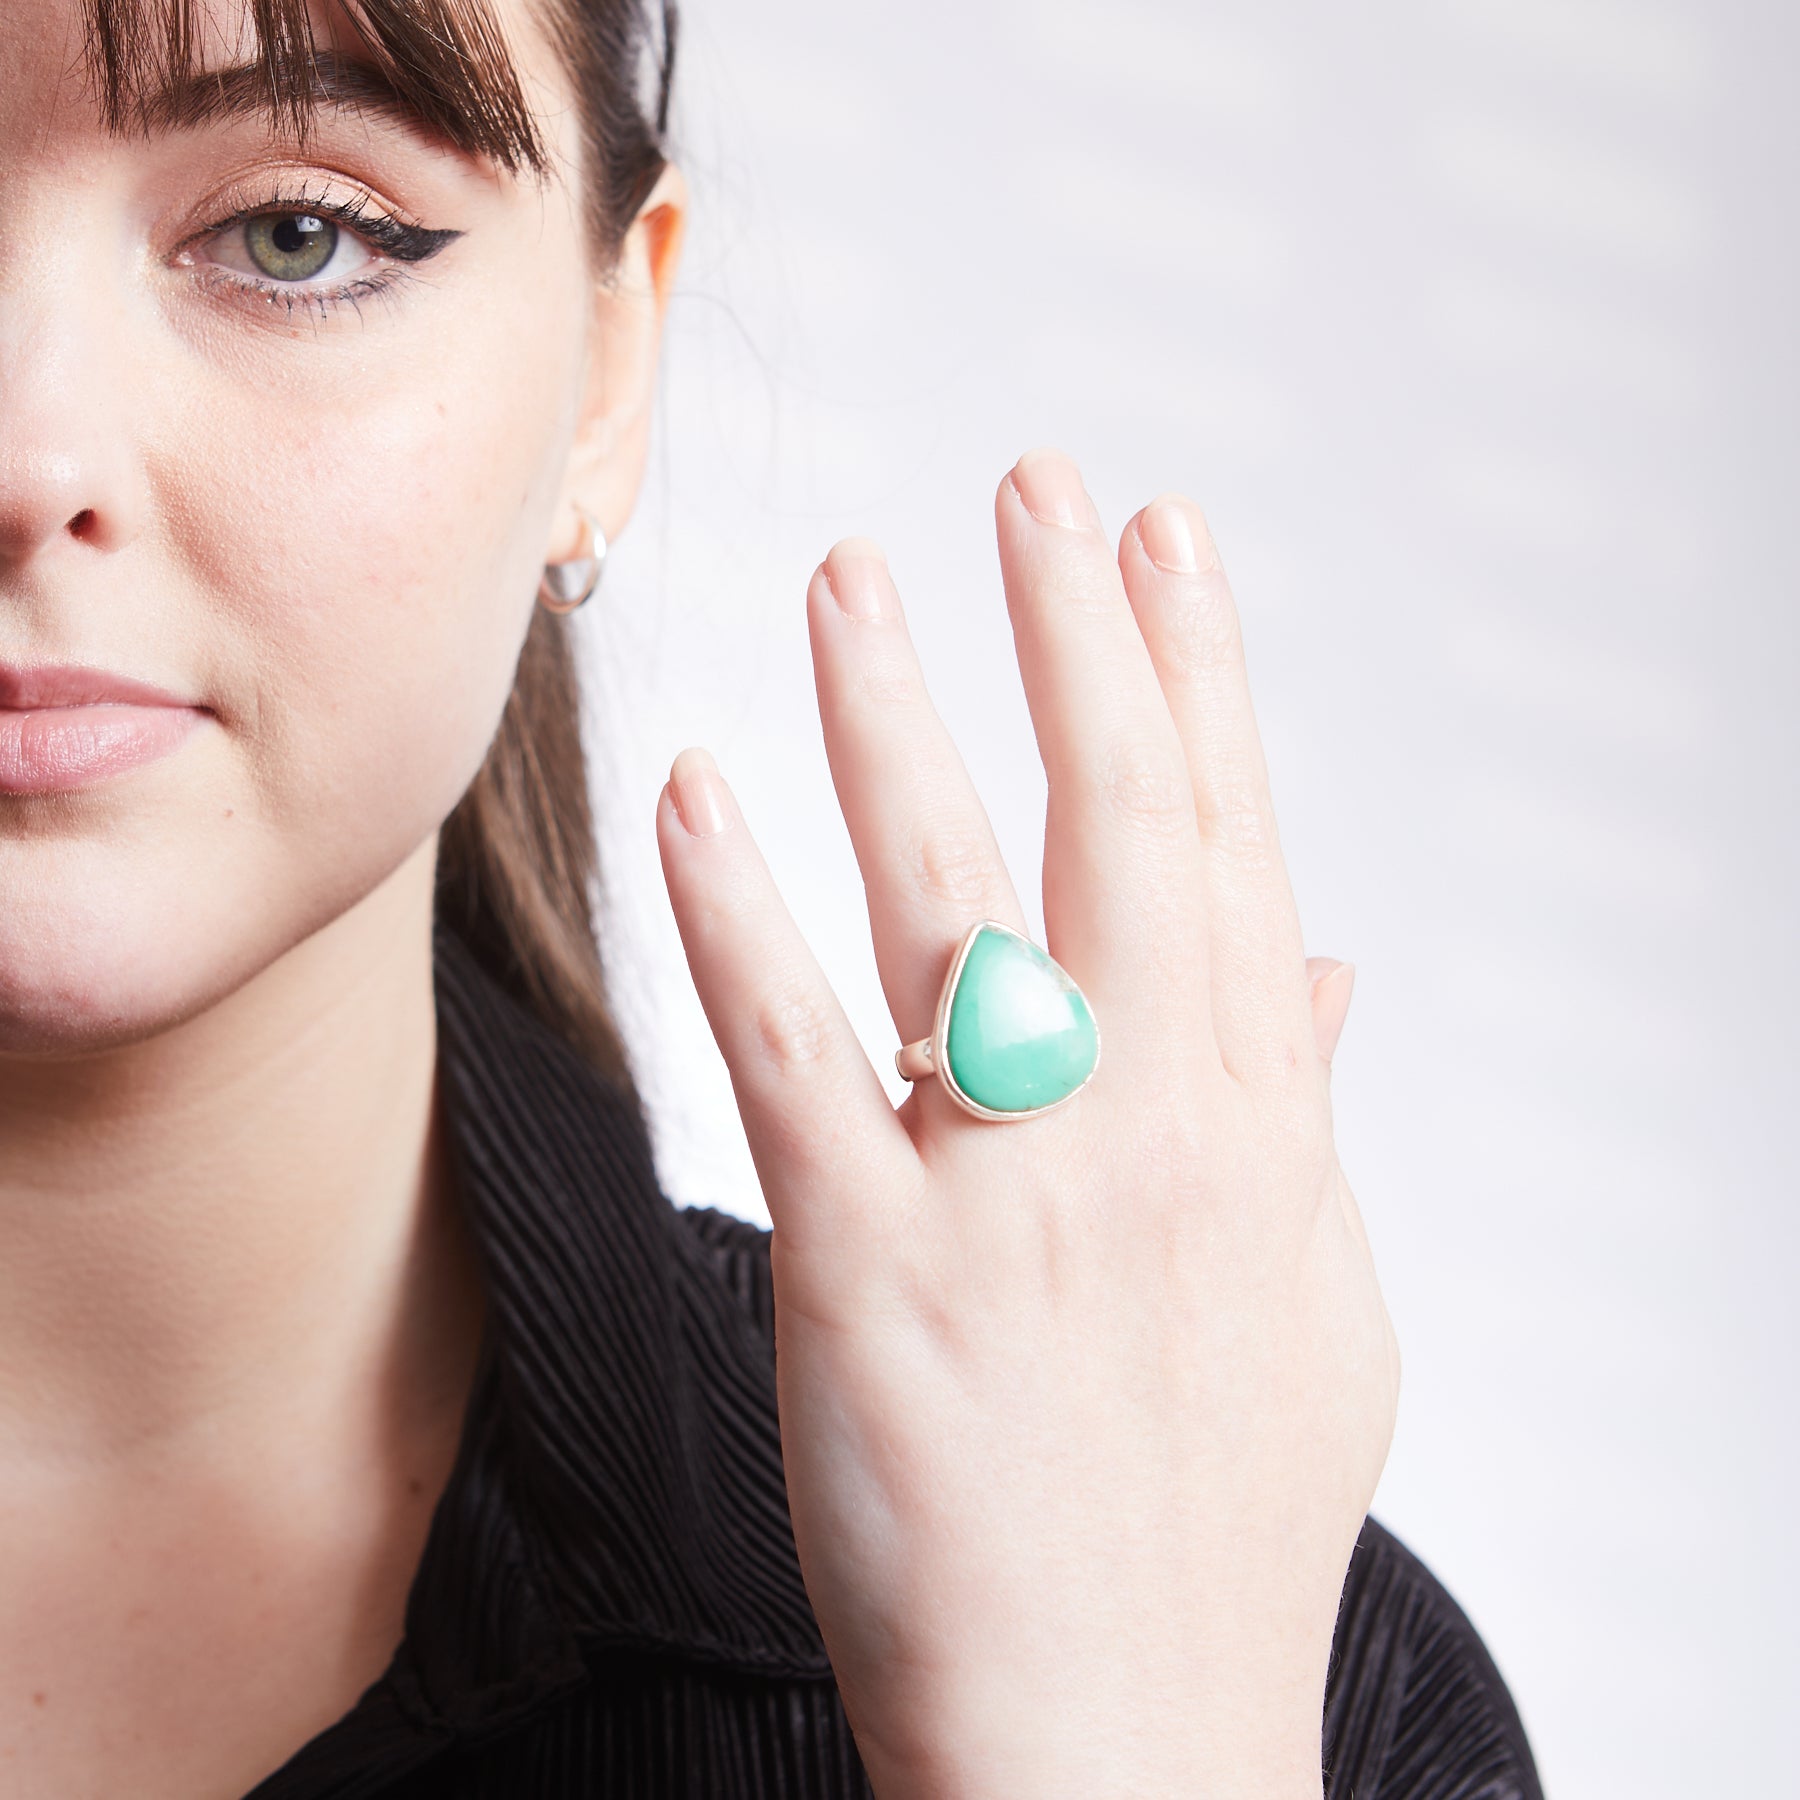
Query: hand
1081, 1414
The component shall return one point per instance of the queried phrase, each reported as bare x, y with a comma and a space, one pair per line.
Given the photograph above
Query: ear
612, 438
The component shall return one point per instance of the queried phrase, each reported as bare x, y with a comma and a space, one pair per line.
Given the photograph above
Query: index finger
829, 1148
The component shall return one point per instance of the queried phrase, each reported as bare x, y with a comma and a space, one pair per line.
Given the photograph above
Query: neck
244, 1224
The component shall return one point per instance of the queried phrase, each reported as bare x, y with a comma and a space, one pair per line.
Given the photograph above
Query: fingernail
1167, 537
1342, 978
1342, 973
1050, 485
700, 798
857, 574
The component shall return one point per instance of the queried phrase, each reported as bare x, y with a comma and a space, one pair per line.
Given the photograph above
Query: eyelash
389, 237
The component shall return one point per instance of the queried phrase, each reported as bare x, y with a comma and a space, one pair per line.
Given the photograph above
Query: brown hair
517, 862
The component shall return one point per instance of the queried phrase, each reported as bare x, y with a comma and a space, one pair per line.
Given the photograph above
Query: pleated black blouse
609, 1601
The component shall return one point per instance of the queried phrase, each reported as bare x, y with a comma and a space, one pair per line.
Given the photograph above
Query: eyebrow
191, 101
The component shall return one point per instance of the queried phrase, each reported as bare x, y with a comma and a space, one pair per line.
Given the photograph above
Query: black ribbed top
609, 1600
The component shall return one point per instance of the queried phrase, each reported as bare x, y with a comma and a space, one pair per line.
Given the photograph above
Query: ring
1014, 1036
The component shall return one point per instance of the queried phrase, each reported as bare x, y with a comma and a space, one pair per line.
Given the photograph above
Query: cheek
347, 547
370, 570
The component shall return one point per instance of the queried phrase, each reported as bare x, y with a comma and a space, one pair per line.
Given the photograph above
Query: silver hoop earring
568, 584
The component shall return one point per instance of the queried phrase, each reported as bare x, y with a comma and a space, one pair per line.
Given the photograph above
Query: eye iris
290, 246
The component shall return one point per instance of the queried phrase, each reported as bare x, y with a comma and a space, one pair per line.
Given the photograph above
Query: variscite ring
1013, 1036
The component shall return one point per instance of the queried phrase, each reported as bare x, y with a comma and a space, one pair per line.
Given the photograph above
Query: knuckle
888, 678
1090, 593
954, 865
1145, 787
1209, 633
1299, 1132
1237, 817
791, 1029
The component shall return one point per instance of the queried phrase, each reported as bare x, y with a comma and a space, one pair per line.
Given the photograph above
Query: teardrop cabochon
1014, 1035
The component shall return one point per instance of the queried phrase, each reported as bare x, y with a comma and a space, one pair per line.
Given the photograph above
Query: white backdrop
1471, 325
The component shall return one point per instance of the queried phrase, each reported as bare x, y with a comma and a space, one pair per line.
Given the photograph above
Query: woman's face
299, 474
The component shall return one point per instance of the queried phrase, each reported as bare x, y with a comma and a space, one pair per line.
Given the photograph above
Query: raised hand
1081, 1413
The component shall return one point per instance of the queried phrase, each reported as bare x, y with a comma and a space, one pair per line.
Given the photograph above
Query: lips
64, 727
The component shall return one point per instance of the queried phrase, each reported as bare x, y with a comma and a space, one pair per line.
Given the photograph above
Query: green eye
290, 246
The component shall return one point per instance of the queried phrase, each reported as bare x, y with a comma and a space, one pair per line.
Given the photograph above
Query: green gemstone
1020, 1034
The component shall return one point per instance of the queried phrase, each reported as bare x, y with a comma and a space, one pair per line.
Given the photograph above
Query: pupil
297, 232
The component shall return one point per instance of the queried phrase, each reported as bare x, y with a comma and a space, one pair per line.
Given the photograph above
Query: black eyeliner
392, 237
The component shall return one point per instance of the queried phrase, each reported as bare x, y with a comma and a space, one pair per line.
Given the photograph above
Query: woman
369, 1421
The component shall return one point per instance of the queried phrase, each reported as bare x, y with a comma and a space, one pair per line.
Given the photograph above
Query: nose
68, 482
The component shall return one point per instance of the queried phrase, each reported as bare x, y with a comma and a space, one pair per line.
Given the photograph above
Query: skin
1117, 1377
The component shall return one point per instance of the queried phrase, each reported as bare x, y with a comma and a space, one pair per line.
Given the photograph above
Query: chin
107, 944
92, 971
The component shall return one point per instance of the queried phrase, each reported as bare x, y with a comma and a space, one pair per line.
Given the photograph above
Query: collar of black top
618, 1484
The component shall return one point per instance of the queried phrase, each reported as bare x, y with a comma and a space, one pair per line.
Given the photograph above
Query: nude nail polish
699, 794
1051, 487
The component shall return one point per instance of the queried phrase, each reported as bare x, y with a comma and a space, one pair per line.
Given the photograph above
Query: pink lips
63, 727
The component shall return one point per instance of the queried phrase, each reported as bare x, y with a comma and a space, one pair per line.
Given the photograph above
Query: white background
1472, 327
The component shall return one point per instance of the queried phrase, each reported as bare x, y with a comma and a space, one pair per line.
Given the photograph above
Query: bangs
443, 62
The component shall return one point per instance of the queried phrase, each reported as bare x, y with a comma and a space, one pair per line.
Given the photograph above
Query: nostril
84, 525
